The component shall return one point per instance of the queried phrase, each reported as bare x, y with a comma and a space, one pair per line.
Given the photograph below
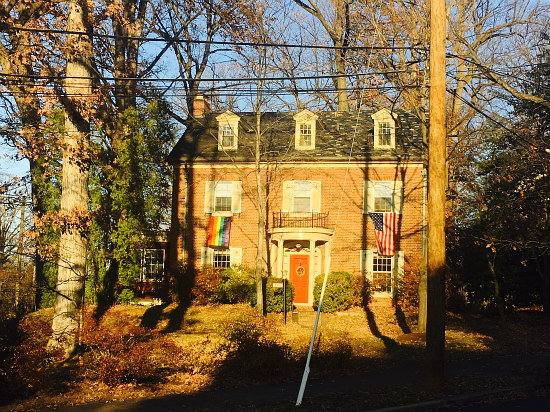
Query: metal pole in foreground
312, 341
284, 301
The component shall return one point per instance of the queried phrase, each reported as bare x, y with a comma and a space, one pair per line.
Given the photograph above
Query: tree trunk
74, 196
498, 298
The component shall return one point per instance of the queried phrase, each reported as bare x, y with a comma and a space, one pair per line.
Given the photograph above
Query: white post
312, 341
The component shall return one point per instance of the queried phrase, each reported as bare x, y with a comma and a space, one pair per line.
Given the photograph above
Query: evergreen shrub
238, 285
339, 294
275, 297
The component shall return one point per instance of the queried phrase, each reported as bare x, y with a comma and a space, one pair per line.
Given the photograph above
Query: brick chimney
200, 106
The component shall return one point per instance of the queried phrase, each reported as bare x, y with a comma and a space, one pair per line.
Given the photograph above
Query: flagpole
312, 341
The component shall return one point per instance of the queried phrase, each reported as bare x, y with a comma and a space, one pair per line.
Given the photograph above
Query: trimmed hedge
343, 291
274, 297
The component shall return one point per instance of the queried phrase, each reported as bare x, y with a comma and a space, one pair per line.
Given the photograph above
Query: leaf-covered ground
139, 352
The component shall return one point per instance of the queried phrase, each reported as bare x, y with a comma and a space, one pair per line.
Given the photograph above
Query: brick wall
341, 197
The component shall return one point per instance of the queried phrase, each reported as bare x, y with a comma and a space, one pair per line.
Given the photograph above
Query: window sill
225, 214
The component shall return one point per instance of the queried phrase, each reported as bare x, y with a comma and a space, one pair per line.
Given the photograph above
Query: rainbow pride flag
218, 231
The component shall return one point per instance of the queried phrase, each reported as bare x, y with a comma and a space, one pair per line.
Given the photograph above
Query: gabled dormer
305, 130
228, 131
384, 129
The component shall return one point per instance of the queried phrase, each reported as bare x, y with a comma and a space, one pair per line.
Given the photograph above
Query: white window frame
223, 189
145, 276
228, 120
367, 258
381, 117
208, 255
290, 191
228, 132
372, 187
210, 195
309, 119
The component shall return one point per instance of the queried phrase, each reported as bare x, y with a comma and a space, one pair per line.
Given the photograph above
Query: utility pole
435, 325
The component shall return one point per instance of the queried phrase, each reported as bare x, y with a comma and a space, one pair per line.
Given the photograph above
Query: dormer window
384, 129
228, 131
228, 136
305, 130
305, 135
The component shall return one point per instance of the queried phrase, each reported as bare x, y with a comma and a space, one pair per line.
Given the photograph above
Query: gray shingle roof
336, 133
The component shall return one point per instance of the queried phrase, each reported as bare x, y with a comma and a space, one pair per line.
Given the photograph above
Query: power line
498, 123
172, 39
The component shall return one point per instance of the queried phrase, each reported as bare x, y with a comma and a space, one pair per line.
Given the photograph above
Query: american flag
384, 231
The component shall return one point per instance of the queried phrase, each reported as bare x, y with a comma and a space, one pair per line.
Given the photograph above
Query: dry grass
229, 345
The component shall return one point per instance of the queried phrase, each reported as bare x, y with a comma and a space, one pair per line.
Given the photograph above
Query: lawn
142, 352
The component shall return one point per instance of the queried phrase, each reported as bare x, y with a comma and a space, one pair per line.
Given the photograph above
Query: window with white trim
305, 130
152, 265
381, 279
305, 135
223, 197
228, 135
301, 196
384, 273
382, 196
384, 129
228, 131
221, 258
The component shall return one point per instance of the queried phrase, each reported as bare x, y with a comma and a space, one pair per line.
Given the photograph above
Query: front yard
142, 352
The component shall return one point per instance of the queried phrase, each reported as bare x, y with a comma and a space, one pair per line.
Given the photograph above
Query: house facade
323, 178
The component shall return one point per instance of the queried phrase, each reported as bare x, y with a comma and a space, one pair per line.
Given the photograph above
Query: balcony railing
300, 219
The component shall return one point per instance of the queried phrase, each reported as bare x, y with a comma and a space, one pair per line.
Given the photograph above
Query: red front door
299, 277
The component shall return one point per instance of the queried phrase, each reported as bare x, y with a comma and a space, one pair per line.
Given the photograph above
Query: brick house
323, 174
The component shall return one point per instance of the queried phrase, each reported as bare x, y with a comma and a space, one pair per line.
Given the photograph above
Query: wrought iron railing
300, 219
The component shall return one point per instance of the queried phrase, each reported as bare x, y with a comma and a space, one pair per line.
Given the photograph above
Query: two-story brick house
322, 174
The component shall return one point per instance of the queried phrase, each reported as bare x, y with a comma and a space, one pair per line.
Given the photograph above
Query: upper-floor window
305, 135
305, 130
228, 131
223, 197
301, 196
382, 196
384, 129
228, 136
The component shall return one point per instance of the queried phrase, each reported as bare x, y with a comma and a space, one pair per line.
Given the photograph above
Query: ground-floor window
381, 273
220, 258
152, 265
384, 273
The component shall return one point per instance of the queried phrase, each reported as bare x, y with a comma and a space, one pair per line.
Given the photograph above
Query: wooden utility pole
71, 273
435, 327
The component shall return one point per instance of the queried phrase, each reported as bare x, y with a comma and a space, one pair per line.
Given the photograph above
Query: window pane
381, 273
223, 196
302, 204
221, 258
228, 135
383, 204
305, 135
384, 134
223, 204
153, 264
